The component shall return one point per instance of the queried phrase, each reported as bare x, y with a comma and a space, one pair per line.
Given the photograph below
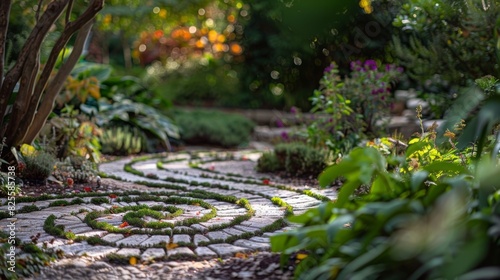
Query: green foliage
122, 141
77, 168
73, 134
150, 121
295, 159
214, 84
269, 162
133, 88
39, 166
349, 109
428, 214
214, 128
99, 200
453, 40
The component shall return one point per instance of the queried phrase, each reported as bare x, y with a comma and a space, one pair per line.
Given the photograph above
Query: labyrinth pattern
196, 205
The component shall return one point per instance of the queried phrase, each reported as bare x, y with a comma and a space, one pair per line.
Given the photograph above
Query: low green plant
351, 108
122, 141
296, 159
435, 220
79, 169
39, 166
269, 162
210, 127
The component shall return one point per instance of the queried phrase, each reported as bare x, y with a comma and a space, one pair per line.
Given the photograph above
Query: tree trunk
35, 98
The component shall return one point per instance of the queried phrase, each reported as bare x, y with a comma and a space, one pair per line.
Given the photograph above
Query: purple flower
388, 67
284, 135
400, 69
279, 123
355, 65
293, 110
328, 69
371, 64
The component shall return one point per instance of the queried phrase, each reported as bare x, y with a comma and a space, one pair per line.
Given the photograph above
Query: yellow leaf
27, 150
241, 255
172, 245
301, 256
133, 261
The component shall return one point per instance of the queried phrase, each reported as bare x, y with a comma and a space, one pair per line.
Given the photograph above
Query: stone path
198, 206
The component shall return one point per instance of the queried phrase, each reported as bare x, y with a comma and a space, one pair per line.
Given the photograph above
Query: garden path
213, 206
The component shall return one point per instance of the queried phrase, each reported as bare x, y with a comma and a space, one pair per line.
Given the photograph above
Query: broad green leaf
345, 192
333, 172
443, 166
417, 180
471, 254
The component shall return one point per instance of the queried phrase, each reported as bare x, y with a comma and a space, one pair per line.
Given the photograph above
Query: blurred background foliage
271, 54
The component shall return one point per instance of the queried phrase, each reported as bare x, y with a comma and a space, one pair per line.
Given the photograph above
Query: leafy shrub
214, 128
428, 215
297, 159
158, 128
352, 108
122, 141
269, 162
73, 134
39, 166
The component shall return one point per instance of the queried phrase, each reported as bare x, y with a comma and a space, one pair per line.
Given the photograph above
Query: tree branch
32, 44
94, 7
38, 120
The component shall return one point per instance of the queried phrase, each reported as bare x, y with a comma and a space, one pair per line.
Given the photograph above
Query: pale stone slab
227, 250
92, 233
152, 253
199, 228
179, 251
246, 229
205, 253
252, 245
258, 222
98, 251
127, 252
218, 235
233, 231
260, 239
133, 240
181, 238
200, 238
113, 237
156, 239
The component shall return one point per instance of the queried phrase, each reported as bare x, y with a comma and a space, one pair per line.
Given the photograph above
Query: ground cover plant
431, 211
214, 128
295, 159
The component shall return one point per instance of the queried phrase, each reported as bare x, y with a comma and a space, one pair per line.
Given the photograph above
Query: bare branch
32, 44
37, 121
38, 8
94, 7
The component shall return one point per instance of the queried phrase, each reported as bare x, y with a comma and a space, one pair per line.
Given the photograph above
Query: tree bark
4, 26
46, 106
32, 44
47, 96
